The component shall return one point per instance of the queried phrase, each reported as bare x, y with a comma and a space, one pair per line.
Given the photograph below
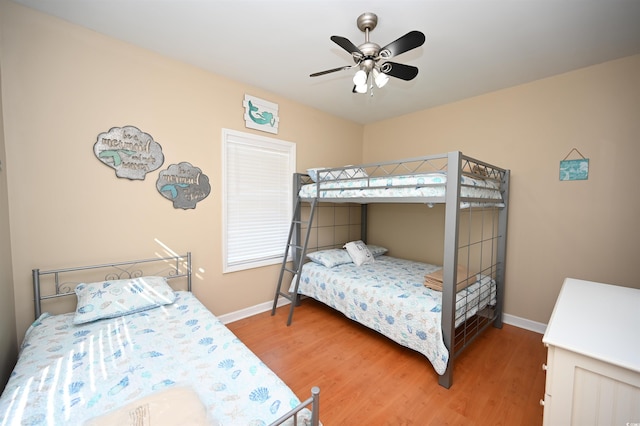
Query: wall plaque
183, 184
260, 114
574, 169
129, 151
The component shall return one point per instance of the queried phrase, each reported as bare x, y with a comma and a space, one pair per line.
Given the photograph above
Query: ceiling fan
368, 55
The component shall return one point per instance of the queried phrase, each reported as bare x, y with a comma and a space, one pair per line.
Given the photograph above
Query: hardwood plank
365, 378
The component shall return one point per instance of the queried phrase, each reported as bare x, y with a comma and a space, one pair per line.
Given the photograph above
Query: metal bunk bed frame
456, 165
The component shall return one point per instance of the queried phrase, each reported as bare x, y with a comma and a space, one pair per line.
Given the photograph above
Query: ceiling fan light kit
380, 78
360, 78
368, 55
360, 88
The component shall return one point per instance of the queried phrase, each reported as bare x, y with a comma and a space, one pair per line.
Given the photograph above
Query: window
257, 199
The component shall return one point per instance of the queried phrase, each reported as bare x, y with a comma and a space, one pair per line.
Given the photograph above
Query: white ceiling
472, 47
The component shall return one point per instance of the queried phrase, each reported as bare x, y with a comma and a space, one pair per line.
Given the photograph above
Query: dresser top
601, 321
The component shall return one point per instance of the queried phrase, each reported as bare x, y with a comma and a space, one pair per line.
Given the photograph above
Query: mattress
428, 185
389, 296
68, 374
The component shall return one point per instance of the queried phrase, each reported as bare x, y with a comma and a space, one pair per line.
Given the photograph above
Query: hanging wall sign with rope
576, 169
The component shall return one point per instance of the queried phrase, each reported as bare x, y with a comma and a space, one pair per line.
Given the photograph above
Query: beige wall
582, 229
62, 86
8, 341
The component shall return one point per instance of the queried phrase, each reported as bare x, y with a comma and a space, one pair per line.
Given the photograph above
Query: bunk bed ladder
298, 252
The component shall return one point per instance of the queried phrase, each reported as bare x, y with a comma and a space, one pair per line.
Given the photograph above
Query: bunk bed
437, 310
139, 351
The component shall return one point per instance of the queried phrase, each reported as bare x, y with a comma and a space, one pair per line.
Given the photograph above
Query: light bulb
361, 88
360, 78
380, 78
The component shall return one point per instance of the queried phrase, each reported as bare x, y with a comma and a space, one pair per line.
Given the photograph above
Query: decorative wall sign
260, 114
131, 152
574, 169
183, 184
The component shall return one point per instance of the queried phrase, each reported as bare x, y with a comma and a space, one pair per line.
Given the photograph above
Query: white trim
537, 327
513, 320
250, 311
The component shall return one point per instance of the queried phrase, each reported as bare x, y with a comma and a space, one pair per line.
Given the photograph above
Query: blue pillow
331, 257
377, 250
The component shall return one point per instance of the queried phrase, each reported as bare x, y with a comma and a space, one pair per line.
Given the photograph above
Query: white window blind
257, 199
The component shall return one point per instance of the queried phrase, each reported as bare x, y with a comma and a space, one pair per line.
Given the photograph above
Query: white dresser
593, 358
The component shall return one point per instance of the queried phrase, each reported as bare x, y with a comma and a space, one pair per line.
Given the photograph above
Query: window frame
263, 143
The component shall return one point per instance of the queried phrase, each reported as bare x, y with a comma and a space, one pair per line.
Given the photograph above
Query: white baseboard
537, 327
534, 326
250, 311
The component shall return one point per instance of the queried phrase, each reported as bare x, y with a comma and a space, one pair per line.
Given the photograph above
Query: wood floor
366, 379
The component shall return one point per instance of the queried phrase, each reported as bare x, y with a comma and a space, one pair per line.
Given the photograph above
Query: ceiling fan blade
401, 71
315, 74
347, 45
409, 41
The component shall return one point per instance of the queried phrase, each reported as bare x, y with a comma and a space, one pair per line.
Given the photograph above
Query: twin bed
136, 351
435, 309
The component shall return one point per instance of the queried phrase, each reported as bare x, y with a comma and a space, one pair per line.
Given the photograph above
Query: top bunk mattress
428, 187
68, 374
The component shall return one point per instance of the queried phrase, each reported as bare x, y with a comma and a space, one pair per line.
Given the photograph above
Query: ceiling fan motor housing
369, 50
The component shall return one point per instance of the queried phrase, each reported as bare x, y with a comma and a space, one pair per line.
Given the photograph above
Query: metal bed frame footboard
170, 267
314, 401
457, 341
456, 165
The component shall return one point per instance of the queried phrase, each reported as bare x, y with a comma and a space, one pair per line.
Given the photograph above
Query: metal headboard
170, 267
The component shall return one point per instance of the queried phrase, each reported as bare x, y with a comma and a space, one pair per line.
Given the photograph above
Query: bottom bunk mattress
70, 374
390, 297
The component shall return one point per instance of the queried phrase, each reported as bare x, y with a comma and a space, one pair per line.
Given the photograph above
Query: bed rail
170, 267
373, 176
416, 165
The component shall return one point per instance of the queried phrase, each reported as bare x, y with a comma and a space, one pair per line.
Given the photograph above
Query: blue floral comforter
429, 185
389, 296
69, 373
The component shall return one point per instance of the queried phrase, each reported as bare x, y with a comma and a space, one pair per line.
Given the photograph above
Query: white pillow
111, 299
348, 173
175, 405
359, 252
354, 172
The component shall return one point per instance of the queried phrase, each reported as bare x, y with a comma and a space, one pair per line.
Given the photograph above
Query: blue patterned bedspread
69, 373
404, 186
389, 296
